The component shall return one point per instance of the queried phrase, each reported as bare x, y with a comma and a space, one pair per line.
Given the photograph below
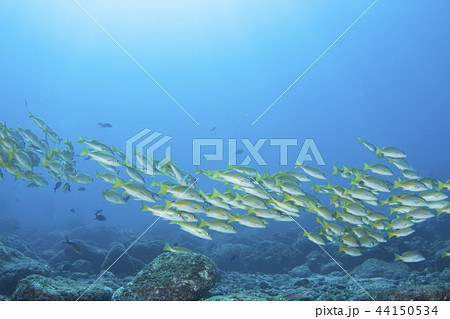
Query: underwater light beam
134, 242
312, 64
135, 61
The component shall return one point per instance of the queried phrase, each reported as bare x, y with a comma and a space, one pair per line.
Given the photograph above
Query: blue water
386, 80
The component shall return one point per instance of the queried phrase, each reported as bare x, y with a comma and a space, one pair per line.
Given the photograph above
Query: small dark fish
100, 218
26, 104
87, 158
105, 125
213, 129
98, 212
72, 210
73, 246
127, 198
57, 185
239, 151
81, 189
233, 258
66, 188
32, 185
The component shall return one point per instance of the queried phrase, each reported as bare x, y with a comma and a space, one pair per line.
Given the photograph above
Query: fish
409, 257
175, 249
218, 225
57, 185
249, 221
137, 191
81, 189
82, 178
66, 188
98, 211
351, 251
315, 238
369, 145
295, 296
73, 246
401, 232
232, 258
379, 169
390, 151
105, 125
445, 254
100, 217
114, 197
103, 157
311, 171
193, 229
72, 210
213, 129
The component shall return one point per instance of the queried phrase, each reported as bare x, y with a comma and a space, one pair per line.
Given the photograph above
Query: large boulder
372, 268
14, 266
40, 288
171, 276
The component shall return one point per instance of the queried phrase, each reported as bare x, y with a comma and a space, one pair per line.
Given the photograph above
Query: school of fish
355, 218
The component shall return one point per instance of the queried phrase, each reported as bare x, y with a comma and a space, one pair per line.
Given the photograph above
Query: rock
40, 288
88, 252
416, 293
301, 282
300, 271
171, 276
146, 251
243, 297
229, 256
14, 266
125, 266
272, 257
264, 285
373, 268
82, 265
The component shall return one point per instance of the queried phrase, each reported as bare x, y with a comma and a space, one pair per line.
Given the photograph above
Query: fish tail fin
203, 223
232, 218
335, 170
397, 257
390, 235
359, 140
305, 233
396, 184
215, 193
154, 183
440, 185
98, 175
72, 178
118, 183
341, 249
168, 204
216, 173
84, 152
198, 170
439, 211
81, 140
312, 207
167, 247
145, 207
163, 190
